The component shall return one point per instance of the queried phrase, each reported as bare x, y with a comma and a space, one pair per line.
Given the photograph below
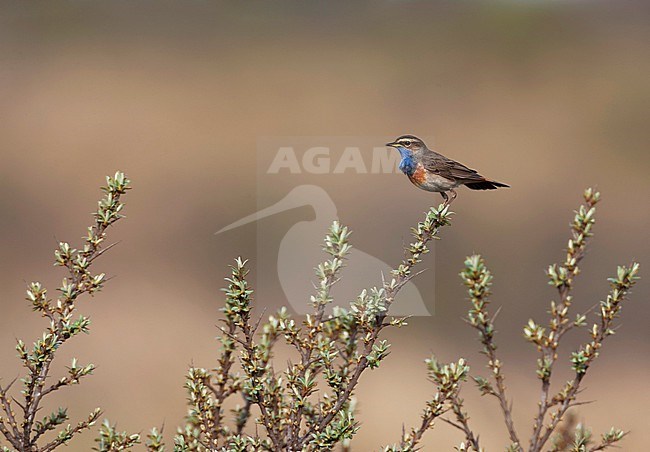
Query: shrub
308, 404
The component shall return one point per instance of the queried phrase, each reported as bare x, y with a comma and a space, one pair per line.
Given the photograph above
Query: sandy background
548, 96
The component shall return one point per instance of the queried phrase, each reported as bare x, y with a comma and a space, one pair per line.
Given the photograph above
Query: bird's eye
406, 143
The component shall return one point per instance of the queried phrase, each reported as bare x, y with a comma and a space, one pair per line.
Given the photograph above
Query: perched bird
431, 171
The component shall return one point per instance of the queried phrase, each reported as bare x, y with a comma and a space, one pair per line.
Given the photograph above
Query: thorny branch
25, 433
562, 277
478, 280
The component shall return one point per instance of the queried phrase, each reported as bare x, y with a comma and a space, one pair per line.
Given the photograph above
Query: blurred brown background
550, 97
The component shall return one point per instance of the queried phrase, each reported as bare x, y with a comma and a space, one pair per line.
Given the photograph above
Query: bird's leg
445, 198
453, 195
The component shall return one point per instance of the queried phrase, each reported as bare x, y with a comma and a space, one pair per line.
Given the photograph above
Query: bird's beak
393, 144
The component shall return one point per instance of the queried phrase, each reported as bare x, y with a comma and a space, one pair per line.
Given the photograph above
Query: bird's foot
447, 199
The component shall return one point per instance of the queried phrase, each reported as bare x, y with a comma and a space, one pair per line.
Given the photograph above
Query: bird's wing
451, 169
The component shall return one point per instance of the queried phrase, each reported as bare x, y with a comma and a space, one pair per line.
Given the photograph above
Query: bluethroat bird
431, 171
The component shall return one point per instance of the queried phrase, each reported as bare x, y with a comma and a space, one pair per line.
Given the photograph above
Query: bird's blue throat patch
407, 165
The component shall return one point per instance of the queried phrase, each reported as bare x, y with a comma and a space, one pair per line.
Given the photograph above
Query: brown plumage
450, 169
434, 172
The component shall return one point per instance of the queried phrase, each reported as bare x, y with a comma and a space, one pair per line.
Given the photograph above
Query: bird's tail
486, 185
